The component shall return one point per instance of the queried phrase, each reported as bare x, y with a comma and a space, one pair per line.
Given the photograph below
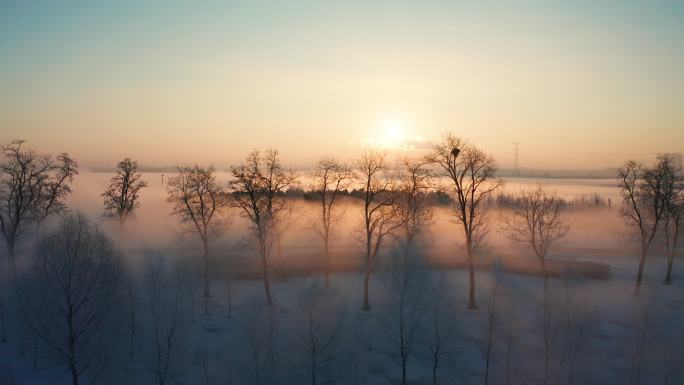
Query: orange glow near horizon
579, 86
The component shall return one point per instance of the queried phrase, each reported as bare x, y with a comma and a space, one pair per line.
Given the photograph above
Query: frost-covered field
580, 330
586, 332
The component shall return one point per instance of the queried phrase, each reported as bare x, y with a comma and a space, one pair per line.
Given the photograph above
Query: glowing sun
391, 134
394, 134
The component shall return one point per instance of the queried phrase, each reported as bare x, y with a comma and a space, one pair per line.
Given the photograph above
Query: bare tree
401, 316
330, 178
320, 321
166, 315
132, 318
260, 366
492, 324
472, 173
55, 189
122, 196
230, 294
405, 283
549, 332
642, 332
643, 207
441, 330
537, 220
509, 319
415, 202
277, 180
3, 327
381, 210
258, 189
576, 328
674, 208
356, 352
217, 365
71, 294
249, 195
197, 200
30, 190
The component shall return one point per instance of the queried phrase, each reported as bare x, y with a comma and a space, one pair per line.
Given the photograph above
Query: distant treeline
441, 198
508, 200
607, 173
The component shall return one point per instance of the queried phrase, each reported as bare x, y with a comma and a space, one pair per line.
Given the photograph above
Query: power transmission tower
516, 164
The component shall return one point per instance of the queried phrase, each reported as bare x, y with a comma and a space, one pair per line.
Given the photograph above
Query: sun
390, 134
394, 133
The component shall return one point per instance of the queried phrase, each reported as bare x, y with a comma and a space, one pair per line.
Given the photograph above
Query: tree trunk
121, 233
640, 273
2, 319
267, 283
403, 371
645, 245
11, 263
192, 301
546, 366
39, 223
471, 277
490, 337
327, 262
546, 360
489, 354
670, 257
313, 369
74, 376
434, 371
277, 265
546, 274
668, 275
366, 281
509, 350
230, 299
264, 266
207, 293
35, 354
132, 320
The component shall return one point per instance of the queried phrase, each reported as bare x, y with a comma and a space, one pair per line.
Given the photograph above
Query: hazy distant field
153, 226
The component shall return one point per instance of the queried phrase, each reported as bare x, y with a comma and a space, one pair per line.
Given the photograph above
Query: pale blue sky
576, 82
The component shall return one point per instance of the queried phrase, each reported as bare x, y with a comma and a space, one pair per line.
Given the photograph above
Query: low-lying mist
597, 231
585, 327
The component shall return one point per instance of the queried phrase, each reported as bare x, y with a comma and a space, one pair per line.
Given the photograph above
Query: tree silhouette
330, 178
381, 210
32, 187
197, 201
643, 204
122, 196
258, 189
71, 295
472, 174
538, 221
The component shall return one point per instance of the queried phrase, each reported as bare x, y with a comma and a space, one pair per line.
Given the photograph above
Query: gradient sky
577, 83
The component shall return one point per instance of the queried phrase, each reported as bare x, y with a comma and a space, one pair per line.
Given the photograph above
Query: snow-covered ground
582, 331
595, 332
